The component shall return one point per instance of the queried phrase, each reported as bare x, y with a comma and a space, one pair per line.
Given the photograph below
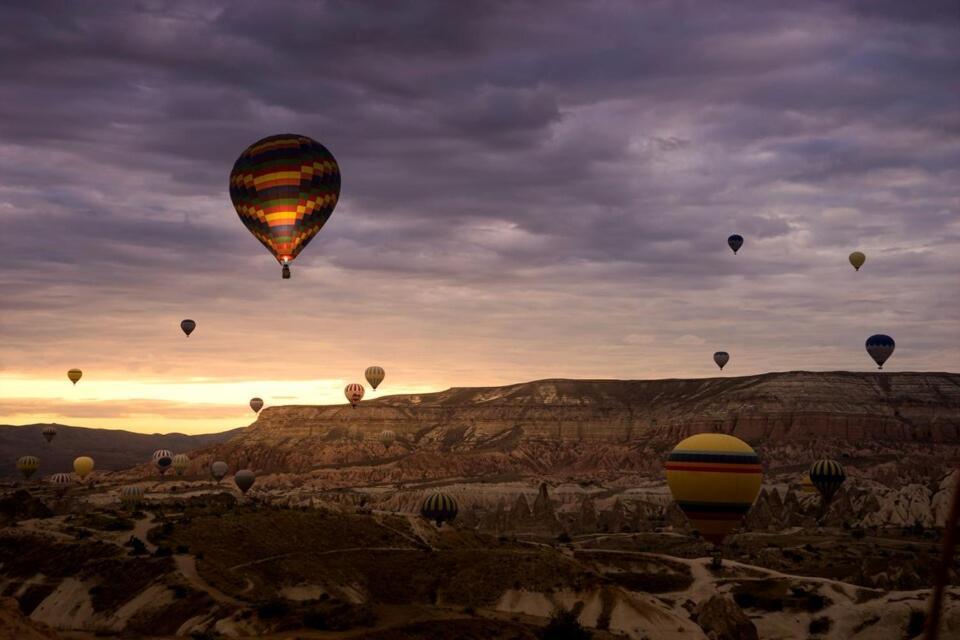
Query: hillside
112, 449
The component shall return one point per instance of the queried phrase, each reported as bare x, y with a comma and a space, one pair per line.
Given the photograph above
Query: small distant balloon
880, 347
735, 241
28, 465
721, 358
180, 463
256, 404
244, 479
440, 508
387, 437
354, 393
827, 476
74, 375
857, 259
162, 459
188, 326
49, 432
219, 470
131, 497
82, 466
374, 376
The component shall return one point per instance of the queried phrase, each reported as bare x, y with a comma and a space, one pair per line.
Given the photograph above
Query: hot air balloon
180, 463
714, 479
74, 375
62, 481
827, 476
219, 470
374, 376
49, 432
721, 358
735, 241
387, 437
188, 326
354, 393
131, 497
162, 459
256, 404
440, 508
284, 189
244, 479
857, 259
880, 347
28, 465
82, 466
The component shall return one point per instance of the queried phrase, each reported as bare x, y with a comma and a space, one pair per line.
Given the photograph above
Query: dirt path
187, 566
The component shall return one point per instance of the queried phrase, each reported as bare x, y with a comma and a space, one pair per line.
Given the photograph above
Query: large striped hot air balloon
354, 393
284, 189
827, 476
714, 478
28, 465
374, 376
440, 508
880, 347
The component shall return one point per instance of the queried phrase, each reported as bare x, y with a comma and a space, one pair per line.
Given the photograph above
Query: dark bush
564, 538
820, 625
273, 608
564, 625
916, 623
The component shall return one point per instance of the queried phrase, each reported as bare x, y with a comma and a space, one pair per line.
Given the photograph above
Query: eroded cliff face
588, 429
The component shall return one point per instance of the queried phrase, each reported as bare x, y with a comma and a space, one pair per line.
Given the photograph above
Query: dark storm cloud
547, 146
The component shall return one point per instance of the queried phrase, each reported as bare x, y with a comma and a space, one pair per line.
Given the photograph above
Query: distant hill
111, 449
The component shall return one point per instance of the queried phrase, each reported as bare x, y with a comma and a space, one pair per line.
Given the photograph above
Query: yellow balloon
74, 375
857, 259
82, 466
714, 479
806, 484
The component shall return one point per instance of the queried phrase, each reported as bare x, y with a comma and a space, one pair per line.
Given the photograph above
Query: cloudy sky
530, 190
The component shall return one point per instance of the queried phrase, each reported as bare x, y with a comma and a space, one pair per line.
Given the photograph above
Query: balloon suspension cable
943, 569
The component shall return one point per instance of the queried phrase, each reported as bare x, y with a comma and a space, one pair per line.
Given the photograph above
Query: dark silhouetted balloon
28, 465
880, 347
256, 404
219, 470
244, 479
188, 326
721, 358
735, 241
439, 508
827, 476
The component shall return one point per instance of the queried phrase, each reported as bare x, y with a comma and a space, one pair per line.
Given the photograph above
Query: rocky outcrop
721, 619
15, 626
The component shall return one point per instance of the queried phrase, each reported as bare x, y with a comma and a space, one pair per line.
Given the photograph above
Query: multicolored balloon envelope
880, 347
353, 393
284, 189
714, 479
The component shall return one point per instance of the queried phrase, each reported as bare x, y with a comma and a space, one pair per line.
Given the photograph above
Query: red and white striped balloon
354, 393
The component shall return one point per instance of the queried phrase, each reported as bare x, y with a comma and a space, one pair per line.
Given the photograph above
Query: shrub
273, 608
564, 538
564, 625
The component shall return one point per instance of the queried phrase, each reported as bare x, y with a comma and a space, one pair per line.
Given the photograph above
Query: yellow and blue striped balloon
714, 479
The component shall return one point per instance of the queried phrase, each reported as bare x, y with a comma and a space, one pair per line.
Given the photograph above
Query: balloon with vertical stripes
162, 459
374, 376
714, 479
827, 476
354, 393
440, 508
180, 463
28, 465
131, 497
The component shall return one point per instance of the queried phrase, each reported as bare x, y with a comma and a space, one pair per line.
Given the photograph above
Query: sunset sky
530, 190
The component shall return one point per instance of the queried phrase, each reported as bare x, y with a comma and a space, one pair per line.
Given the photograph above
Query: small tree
564, 626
